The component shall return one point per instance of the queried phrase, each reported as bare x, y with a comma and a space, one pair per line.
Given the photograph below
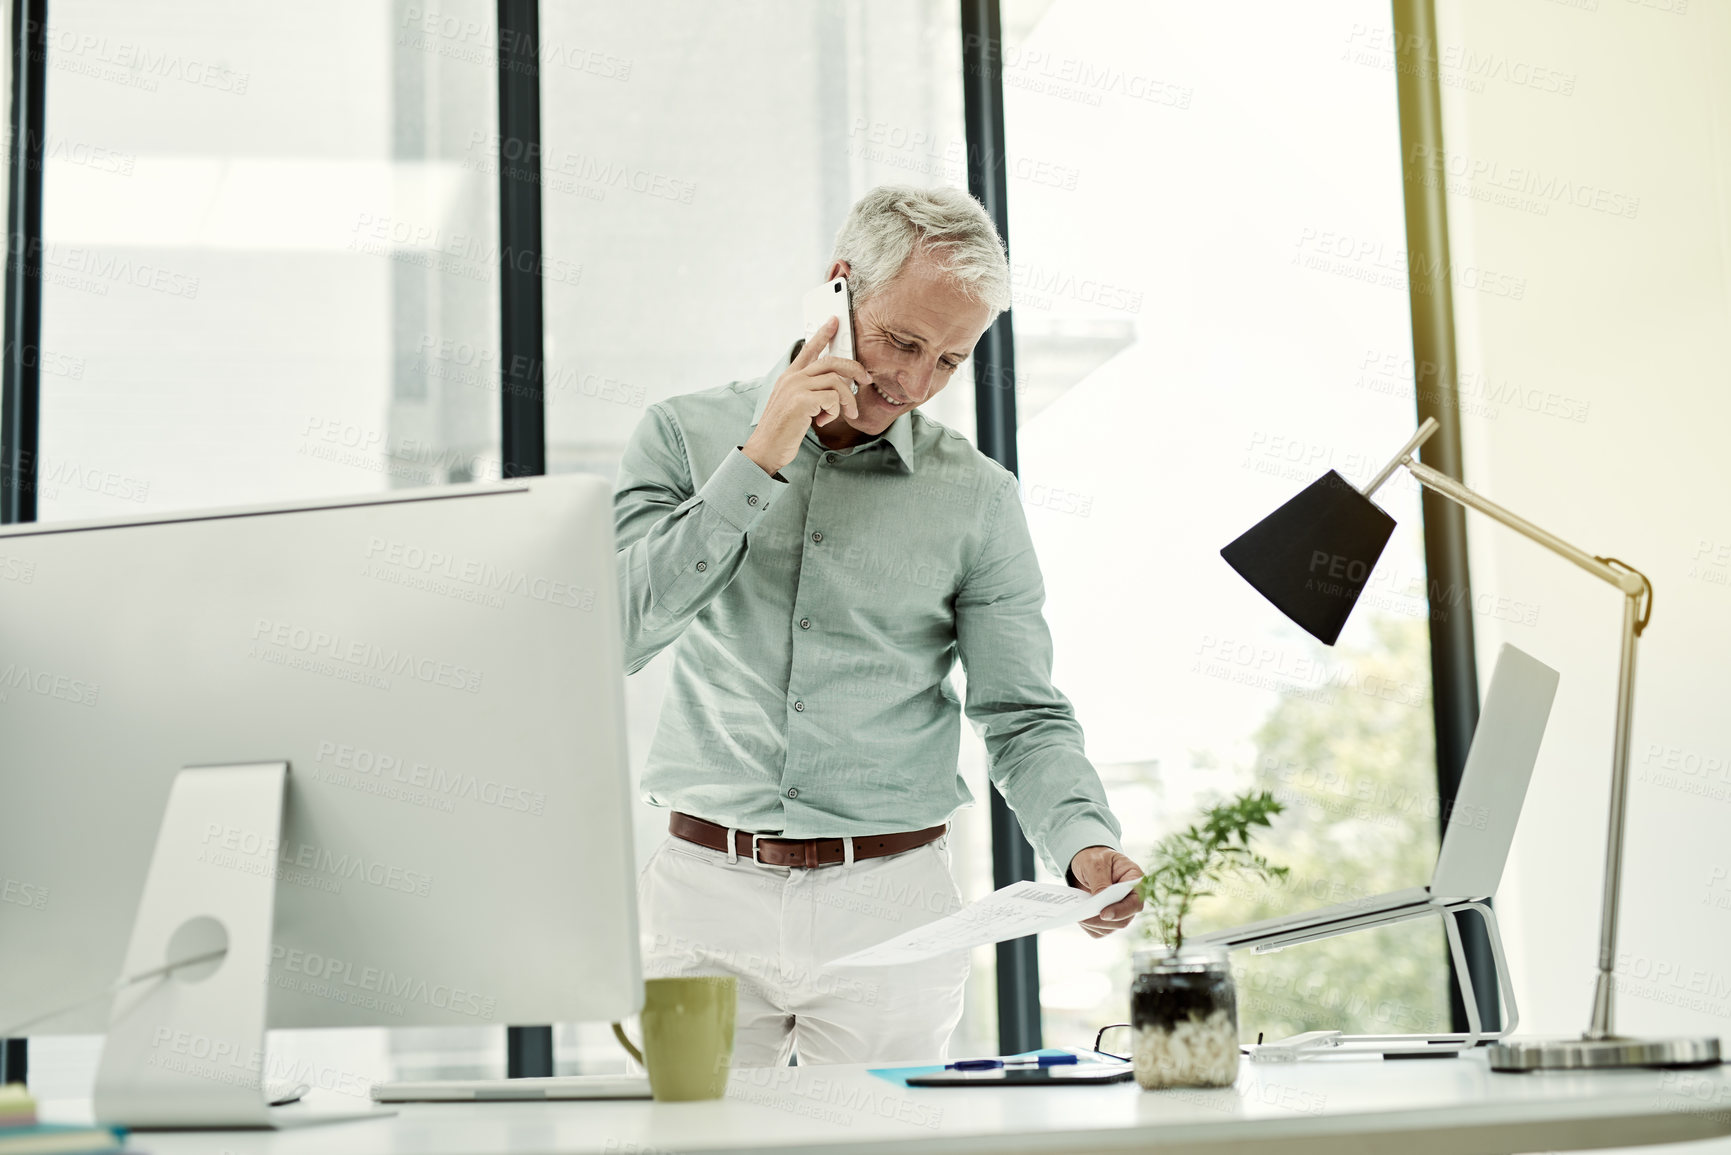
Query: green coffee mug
688, 1036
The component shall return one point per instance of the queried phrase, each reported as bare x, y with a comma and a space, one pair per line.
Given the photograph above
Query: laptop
1479, 830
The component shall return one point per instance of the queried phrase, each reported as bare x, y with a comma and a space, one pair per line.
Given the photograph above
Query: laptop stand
1314, 1044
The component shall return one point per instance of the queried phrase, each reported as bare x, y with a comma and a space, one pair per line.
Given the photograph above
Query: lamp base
1590, 1054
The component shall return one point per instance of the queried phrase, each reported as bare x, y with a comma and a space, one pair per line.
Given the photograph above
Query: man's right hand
813, 391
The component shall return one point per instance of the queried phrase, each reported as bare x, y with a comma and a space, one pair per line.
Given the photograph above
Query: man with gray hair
820, 554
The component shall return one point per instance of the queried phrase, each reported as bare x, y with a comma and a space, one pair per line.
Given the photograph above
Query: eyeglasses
1116, 1042
1113, 1041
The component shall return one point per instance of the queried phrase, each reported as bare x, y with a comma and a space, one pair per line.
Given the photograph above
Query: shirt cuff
1075, 838
740, 491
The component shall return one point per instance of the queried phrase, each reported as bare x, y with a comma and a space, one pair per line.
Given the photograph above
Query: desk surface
1452, 1106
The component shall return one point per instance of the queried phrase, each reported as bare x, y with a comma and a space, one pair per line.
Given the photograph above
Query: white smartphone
831, 300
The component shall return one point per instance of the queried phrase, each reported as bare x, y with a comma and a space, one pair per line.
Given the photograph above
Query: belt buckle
807, 846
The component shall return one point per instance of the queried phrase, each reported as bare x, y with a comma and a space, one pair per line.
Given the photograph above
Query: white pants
775, 926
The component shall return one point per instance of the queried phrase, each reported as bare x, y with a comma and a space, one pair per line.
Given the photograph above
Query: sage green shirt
815, 618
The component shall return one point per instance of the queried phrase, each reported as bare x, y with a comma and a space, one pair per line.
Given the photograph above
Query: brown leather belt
773, 850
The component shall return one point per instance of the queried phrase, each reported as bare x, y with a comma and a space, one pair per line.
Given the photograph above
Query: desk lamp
1312, 558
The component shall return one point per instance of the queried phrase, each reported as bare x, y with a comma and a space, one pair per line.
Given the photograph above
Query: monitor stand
186, 1048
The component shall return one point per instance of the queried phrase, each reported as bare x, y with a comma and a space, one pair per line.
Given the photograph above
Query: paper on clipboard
1019, 909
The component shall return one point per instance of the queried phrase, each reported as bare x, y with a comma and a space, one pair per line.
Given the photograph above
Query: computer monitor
440, 670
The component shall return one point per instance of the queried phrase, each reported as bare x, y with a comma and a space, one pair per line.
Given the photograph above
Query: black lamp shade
1313, 555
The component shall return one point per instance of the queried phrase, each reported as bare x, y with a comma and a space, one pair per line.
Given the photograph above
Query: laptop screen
1479, 828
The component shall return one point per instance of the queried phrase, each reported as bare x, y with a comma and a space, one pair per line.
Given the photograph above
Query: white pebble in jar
1192, 1053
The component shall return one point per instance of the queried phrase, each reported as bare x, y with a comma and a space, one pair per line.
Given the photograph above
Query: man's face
912, 336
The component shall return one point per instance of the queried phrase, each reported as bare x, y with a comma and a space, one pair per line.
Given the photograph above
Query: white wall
1590, 161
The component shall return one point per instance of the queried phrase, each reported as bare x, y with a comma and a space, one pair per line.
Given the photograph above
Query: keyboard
508, 1090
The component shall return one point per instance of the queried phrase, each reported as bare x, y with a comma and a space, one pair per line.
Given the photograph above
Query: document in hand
1022, 908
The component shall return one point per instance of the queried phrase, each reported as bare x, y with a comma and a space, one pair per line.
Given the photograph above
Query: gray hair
891, 222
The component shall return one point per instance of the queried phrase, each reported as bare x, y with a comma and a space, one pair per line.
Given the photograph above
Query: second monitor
440, 670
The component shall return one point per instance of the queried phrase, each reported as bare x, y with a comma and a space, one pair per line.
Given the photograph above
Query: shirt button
816, 536
831, 458
752, 500
793, 792
800, 706
701, 566
805, 623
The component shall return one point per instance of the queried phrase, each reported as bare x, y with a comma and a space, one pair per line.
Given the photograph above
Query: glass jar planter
1183, 1018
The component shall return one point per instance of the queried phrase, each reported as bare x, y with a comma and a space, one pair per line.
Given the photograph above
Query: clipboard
1085, 1074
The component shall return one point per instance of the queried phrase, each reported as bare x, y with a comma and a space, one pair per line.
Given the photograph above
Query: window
269, 271
696, 167
1207, 247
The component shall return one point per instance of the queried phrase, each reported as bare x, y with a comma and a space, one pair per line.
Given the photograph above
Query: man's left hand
1094, 869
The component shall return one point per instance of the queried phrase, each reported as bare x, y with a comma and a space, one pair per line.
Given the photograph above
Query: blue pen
994, 1064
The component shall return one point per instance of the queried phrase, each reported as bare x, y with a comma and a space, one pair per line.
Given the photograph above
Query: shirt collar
899, 435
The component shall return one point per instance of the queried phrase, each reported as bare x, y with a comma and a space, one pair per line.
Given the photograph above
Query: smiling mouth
888, 400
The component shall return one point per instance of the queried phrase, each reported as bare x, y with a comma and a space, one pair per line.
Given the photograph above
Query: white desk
1332, 1106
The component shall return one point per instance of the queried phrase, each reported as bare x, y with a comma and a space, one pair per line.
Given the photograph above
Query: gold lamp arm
1635, 589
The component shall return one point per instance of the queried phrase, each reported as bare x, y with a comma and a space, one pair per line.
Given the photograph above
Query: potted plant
1183, 1007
